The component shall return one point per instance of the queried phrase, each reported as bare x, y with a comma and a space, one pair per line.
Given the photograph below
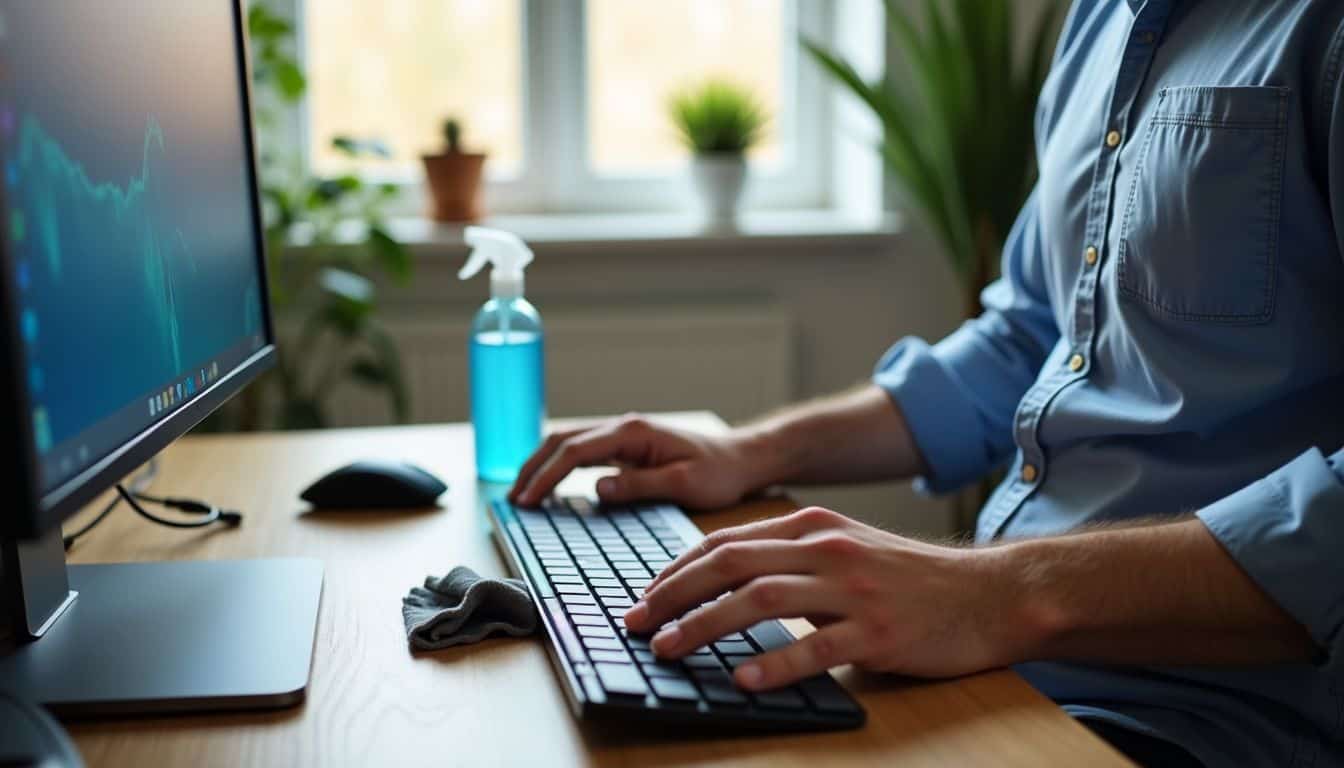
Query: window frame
556, 175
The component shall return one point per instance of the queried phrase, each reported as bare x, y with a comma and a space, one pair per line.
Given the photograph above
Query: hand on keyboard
883, 602
658, 462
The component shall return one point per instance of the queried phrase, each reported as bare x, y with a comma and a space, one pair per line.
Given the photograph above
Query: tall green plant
326, 237
957, 126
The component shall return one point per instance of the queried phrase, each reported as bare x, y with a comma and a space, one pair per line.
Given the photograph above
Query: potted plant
454, 178
718, 121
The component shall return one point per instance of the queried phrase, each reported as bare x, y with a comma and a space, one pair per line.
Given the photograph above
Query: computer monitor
134, 303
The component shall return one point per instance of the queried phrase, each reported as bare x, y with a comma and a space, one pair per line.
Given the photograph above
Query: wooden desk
371, 702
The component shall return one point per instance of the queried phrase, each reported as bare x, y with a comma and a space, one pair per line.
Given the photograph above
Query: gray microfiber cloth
463, 607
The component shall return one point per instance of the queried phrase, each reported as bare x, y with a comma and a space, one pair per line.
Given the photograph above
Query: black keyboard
585, 566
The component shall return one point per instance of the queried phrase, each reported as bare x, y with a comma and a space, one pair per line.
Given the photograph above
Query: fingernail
638, 613
749, 675
665, 642
605, 486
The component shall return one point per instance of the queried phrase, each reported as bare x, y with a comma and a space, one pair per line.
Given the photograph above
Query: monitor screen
129, 218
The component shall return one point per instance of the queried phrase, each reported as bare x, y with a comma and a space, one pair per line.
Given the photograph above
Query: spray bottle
508, 384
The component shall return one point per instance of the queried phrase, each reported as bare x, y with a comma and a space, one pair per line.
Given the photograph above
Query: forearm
1158, 594
855, 436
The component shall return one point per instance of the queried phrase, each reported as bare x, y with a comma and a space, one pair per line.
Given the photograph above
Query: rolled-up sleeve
1287, 532
959, 395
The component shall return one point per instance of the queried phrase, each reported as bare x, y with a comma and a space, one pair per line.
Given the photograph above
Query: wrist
764, 453
1030, 613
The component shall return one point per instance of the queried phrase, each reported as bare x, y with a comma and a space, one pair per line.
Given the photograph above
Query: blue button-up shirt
1168, 337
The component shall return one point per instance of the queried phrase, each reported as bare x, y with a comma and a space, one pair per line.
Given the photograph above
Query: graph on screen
115, 302
70, 207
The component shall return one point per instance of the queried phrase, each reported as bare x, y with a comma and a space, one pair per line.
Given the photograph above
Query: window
394, 70
568, 97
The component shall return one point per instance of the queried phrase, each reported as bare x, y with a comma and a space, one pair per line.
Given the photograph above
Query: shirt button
1076, 363
1113, 139
1090, 255
1029, 473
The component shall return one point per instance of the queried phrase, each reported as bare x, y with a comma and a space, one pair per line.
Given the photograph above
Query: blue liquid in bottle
508, 386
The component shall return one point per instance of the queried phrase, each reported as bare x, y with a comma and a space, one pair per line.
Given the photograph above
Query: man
1161, 366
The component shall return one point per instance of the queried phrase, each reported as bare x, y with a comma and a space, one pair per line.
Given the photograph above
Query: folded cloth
463, 607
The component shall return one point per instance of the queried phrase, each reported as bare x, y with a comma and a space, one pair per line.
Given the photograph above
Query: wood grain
372, 702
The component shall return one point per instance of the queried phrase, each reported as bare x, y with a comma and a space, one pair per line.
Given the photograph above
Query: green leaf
356, 147
289, 79
263, 25
390, 254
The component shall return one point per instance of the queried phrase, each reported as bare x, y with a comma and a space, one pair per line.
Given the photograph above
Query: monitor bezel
37, 512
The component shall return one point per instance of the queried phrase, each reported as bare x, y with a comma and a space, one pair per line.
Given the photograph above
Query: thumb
638, 484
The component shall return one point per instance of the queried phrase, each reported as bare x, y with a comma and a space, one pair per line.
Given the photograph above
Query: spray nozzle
505, 250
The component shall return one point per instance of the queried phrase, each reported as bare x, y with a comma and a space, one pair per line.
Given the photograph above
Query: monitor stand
149, 638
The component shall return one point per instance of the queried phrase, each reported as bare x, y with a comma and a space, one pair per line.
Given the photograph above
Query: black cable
213, 515
138, 483
136, 494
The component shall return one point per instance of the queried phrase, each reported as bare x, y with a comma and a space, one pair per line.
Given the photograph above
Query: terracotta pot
454, 185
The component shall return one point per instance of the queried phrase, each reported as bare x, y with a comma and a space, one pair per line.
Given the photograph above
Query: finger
769, 597
787, 527
539, 457
839, 643
638, 484
726, 568
595, 446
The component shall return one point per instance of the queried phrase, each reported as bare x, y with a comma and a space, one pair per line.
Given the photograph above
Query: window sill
619, 230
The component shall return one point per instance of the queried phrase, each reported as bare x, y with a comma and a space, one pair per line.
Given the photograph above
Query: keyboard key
589, 621
827, 695
568, 639
567, 579
712, 677
724, 694
638, 583
734, 647
605, 582
676, 690
557, 570
570, 589
770, 635
645, 657
593, 688
621, 679
578, 599
784, 698
602, 643
615, 602
612, 592
637, 643
583, 610
662, 669
610, 657
702, 662
594, 630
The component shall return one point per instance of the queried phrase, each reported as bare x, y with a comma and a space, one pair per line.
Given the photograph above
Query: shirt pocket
1199, 237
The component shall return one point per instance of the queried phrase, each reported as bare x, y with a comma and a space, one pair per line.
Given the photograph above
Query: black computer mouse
31, 737
375, 485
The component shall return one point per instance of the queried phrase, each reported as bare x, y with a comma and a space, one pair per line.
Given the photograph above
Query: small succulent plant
452, 135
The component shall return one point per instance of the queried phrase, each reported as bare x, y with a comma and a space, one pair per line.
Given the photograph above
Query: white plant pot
719, 180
